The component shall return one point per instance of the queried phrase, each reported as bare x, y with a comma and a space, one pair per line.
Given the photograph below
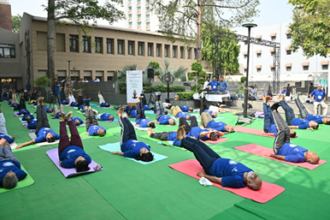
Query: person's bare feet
90, 108
180, 133
40, 100
281, 98
150, 131
85, 107
266, 99
62, 117
120, 112
68, 116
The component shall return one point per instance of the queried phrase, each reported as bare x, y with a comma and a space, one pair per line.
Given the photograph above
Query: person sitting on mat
105, 117
92, 127
102, 101
161, 118
269, 123
208, 122
283, 149
165, 136
292, 121
223, 171
58, 112
71, 153
177, 112
186, 109
130, 146
148, 107
43, 130
213, 114
10, 168
305, 115
77, 121
23, 112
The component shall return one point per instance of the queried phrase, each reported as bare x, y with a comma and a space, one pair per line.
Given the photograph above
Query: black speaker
151, 73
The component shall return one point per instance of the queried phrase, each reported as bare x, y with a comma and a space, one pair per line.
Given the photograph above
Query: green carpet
126, 190
27, 181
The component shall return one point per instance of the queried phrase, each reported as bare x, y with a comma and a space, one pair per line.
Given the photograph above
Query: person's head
314, 125
284, 88
171, 121
50, 138
292, 133
10, 180
253, 181
221, 78
28, 117
152, 124
24, 112
312, 157
269, 85
99, 92
188, 117
319, 87
77, 122
308, 95
111, 118
101, 132
81, 164
214, 78
229, 128
190, 109
107, 105
255, 86
145, 155
214, 115
55, 80
326, 121
208, 79
213, 136
50, 110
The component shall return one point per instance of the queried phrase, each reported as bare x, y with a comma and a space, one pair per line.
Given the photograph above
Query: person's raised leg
88, 118
39, 124
289, 114
124, 128
158, 110
283, 132
45, 122
183, 121
61, 108
75, 137
268, 116
92, 116
132, 134
206, 118
64, 138
193, 122
2, 153
302, 110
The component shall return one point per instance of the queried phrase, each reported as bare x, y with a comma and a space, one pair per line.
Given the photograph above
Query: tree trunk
199, 30
224, 74
50, 39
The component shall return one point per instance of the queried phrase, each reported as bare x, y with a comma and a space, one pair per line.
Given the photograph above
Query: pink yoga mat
220, 140
261, 151
267, 192
26, 125
252, 131
53, 155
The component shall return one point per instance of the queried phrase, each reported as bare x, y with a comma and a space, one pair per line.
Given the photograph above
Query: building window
166, 51
129, 1
120, 47
150, 49
130, 8
258, 70
305, 68
245, 56
288, 52
325, 67
258, 55
245, 42
148, 16
139, 8
139, 24
245, 71
86, 44
288, 68
181, 52
272, 54
140, 48
130, 47
109, 46
130, 15
272, 69
74, 43
174, 52
7, 51
188, 53
148, 24
139, 1
130, 24
288, 36
273, 38
139, 15
98, 45
60, 42
147, 8
195, 53
158, 50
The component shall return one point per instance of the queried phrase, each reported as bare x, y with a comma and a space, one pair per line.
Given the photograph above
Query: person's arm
118, 153
26, 144
157, 122
276, 156
202, 134
294, 127
227, 86
211, 178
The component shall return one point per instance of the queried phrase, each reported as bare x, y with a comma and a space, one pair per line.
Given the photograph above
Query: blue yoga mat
149, 112
116, 147
92, 104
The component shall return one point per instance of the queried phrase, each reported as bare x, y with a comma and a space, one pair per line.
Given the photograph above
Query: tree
229, 50
177, 73
200, 75
16, 22
79, 12
192, 14
310, 28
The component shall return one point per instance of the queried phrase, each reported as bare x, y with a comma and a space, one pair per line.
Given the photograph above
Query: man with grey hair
10, 168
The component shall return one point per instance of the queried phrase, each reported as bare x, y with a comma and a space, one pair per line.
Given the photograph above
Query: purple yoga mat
26, 125
68, 172
16, 113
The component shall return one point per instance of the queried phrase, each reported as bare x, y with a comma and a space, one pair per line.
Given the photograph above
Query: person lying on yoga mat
77, 121
27, 117
186, 109
144, 123
65, 102
71, 153
148, 107
105, 117
140, 119
223, 171
130, 146
283, 149
162, 119
43, 130
269, 123
213, 114
310, 117
102, 101
292, 121
32, 123
58, 112
49, 109
131, 111
177, 112
165, 136
92, 127
10, 168
208, 122
23, 112
14, 105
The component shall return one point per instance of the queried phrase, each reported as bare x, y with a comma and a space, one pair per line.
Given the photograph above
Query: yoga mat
220, 140
21, 119
33, 136
149, 112
16, 114
69, 172
79, 112
267, 192
27, 181
81, 131
114, 120
196, 110
26, 125
168, 143
143, 129
252, 131
116, 147
93, 104
261, 151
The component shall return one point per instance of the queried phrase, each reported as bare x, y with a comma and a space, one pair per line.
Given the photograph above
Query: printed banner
134, 85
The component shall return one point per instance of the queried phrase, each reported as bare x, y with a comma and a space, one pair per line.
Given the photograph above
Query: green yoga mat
20, 184
165, 142
81, 131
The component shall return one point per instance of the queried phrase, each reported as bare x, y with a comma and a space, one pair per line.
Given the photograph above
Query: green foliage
177, 73
202, 74
43, 81
154, 65
122, 72
201, 81
148, 88
199, 73
183, 78
310, 28
196, 88
243, 79
197, 66
240, 83
16, 22
186, 95
122, 87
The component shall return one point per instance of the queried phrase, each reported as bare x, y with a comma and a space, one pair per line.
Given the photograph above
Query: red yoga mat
267, 192
219, 140
261, 151
252, 131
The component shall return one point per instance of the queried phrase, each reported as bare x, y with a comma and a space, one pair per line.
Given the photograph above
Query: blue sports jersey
27, 115
292, 153
273, 129
73, 104
143, 123
196, 131
146, 107
22, 111
47, 109
209, 111
11, 165
232, 172
42, 133
105, 117
163, 120
172, 137
214, 85
185, 108
318, 95
133, 114
7, 137
103, 104
75, 118
131, 148
70, 154
64, 102
317, 118
32, 124
58, 115
301, 123
219, 126
92, 130
182, 115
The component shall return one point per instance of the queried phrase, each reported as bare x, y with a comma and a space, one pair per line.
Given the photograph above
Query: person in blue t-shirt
92, 127
186, 108
223, 85
105, 105
49, 109
130, 146
131, 111
8, 138
162, 119
283, 149
269, 123
64, 102
207, 122
214, 84
148, 107
225, 172
43, 130
145, 123
32, 123
165, 136
212, 113
305, 115
10, 168
319, 97
77, 121
105, 117
74, 104
71, 153
177, 112
283, 92
14, 105
291, 120
27, 117
23, 112
204, 134
58, 112
193, 123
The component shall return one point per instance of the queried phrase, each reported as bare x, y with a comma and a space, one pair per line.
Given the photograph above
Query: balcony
148, 12
131, 19
147, 4
139, 27
139, 12
130, 12
148, 20
129, 4
139, 4
148, 28
139, 20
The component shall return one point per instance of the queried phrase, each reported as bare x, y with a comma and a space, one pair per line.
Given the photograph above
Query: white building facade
294, 66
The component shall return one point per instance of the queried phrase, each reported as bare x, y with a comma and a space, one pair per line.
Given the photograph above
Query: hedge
186, 95
149, 89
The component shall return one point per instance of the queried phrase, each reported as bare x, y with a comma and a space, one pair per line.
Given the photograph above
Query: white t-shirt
205, 84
